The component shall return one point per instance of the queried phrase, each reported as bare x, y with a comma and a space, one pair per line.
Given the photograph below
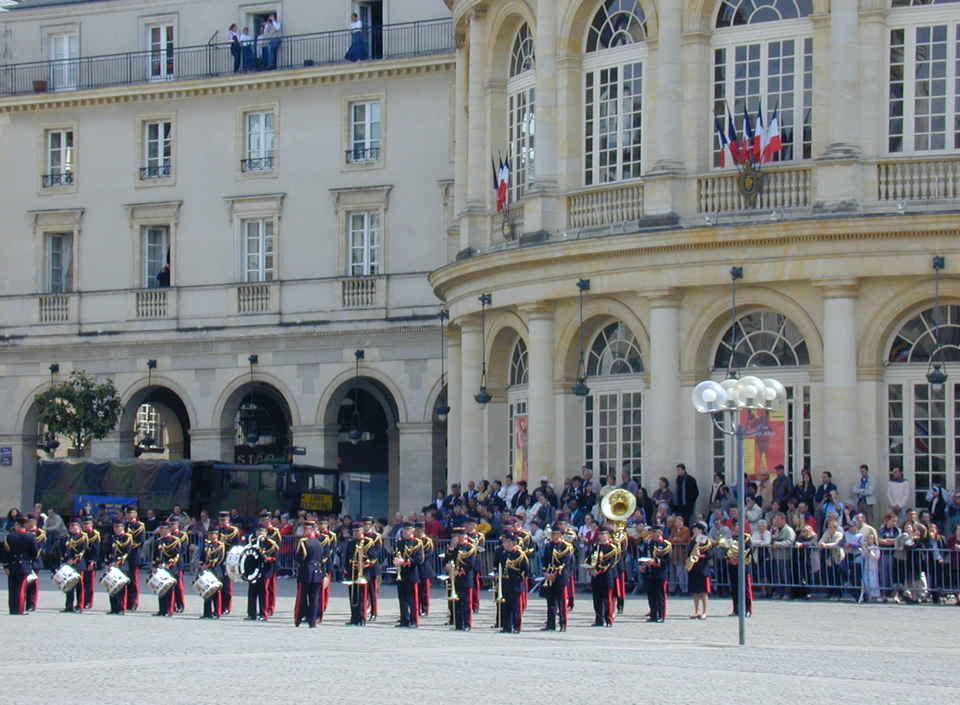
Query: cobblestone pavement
797, 651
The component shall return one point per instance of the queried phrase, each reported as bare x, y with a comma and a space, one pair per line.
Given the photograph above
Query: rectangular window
259, 141
364, 244
614, 433
157, 149
517, 409
60, 164
63, 61
59, 263
156, 254
520, 135
258, 250
613, 124
364, 132
160, 44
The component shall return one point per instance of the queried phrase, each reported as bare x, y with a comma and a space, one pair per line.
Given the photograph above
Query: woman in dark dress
358, 48
699, 578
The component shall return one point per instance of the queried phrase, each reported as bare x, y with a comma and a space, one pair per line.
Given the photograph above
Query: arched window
923, 111
763, 339
517, 412
923, 420
613, 410
521, 111
613, 97
518, 364
766, 71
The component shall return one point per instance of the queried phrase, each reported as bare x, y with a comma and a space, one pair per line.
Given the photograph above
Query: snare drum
244, 563
206, 584
161, 582
66, 577
114, 580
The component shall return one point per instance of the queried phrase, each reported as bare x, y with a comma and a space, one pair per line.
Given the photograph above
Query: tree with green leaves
80, 408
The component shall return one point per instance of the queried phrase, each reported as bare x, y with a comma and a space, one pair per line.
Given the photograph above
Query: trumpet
500, 598
357, 563
452, 595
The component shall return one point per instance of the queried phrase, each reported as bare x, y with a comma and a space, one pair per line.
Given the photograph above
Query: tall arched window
521, 112
613, 410
923, 421
924, 50
757, 65
517, 411
613, 93
758, 340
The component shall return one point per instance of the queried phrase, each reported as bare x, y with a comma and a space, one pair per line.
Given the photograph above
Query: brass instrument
357, 563
500, 598
698, 549
618, 506
554, 569
452, 595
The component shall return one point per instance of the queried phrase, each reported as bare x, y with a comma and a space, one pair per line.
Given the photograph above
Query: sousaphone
618, 506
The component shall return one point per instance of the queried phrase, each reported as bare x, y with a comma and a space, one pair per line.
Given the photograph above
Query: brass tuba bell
618, 505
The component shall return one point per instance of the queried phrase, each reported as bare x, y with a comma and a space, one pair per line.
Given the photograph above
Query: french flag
748, 136
760, 139
732, 140
774, 142
724, 142
503, 184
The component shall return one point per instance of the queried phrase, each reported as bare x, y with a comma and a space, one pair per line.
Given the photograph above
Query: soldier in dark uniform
603, 574
40, 537
329, 540
183, 541
427, 573
311, 559
734, 556
120, 549
20, 551
230, 536
74, 550
654, 564
513, 567
266, 520
571, 537
375, 570
136, 529
168, 557
558, 561
408, 560
90, 560
480, 541
466, 563
214, 554
356, 556
257, 589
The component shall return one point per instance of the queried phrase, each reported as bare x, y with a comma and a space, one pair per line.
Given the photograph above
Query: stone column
541, 406
461, 123
455, 401
118, 444
416, 466
215, 443
473, 224
17, 488
841, 418
661, 414
313, 440
471, 417
541, 204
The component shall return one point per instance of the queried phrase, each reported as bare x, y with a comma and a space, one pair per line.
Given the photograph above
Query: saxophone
698, 549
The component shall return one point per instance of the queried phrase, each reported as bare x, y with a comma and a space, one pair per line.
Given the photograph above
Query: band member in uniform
571, 537
183, 539
734, 556
230, 536
374, 571
427, 573
257, 589
525, 544
311, 560
480, 541
19, 551
136, 529
356, 554
329, 540
558, 560
602, 567
120, 556
462, 565
698, 566
90, 560
408, 559
654, 564
513, 568
214, 554
40, 537
168, 556
273, 533
74, 549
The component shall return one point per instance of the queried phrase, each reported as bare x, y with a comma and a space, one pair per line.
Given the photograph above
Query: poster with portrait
521, 434
765, 445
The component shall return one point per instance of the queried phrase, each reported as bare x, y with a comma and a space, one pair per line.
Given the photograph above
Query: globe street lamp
725, 401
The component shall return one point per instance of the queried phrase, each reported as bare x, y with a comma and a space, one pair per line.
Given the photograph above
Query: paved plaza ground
809, 652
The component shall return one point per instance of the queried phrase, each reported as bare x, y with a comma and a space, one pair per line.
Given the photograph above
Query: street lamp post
724, 402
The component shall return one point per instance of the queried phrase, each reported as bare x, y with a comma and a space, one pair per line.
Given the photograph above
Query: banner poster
765, 444
114, 505
521, 427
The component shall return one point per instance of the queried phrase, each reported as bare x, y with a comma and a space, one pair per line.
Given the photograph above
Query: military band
40, 538
136, 529
602, 566
230, 536
73, 554
462, 563
408, 559
374, 571
311, 558
257, 605
329, 540
559, 557
20, 551
183, 543
120, 548
733, 557
169, 558
357, 555
427, 573
91, 558
654, 564
212, 559
513, 570
698, 567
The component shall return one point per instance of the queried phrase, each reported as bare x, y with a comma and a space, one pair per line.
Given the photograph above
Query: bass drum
244, 564
161, 582
114, 580
206, 584
66, 577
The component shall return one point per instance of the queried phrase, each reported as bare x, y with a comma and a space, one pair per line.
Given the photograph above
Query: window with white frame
613, 410
59, 263
59, 158
161, 39
924, 78
364, 238
517, 397
64, 66
258, 252
521, 112
156, 252
364, 132
759, 68
613, 99
157, 149
258, 141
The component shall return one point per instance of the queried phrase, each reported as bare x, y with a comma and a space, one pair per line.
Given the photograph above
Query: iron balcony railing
154, 172
63, 179
258, 164
210, 60
359, 155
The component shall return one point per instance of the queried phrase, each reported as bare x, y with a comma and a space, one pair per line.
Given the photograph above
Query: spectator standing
248, 51
887, 538
870, 553
823, 492
627, 482
937, 500
782, 486
680, 537
805, 490
271, 38
358, 48
866, 493
685, 498
898, 492
766, 489
233, 40
589, 480
784, 537
953, 515
663, 495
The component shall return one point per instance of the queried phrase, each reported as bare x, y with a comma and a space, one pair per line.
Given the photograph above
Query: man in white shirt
866, 493
898, 493
588, 479
508, 490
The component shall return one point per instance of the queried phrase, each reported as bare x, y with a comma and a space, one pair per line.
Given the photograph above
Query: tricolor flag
502, 184
774, 143
732, 139
747, 146
760, 139
724, 142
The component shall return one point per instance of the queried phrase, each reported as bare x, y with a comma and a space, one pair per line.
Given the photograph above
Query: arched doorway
261, 420
159, 423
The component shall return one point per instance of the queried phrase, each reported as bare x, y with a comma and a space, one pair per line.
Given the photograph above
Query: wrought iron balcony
359, 154
154, 172
259, 164
62, 179
211, 60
